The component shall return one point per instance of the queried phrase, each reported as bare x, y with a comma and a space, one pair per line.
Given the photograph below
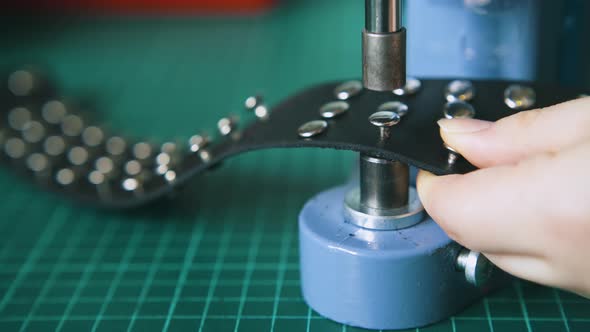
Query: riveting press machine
370, 255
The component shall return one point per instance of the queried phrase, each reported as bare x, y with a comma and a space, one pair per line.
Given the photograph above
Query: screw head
384, 119
312, 128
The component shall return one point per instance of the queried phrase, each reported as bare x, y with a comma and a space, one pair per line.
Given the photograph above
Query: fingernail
463, 126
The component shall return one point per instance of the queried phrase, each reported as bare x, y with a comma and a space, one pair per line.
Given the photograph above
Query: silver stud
18, 117
54, 145
104, 165
384, 120
458, 110
312, 128
162, 169
15, 148
226, 125
460, 90
412, 87
78, 155
262, 112
252, 102
116, 146
453, 154
476, 267
519, 97
334, 109
92, 136
96, 178
37, 162
142, 150
33, 132
133, 167
65, 176
348, 90
198, 142
394, 106
72, 125
130, 184
21, 83
170, 176
53, 111
205, 156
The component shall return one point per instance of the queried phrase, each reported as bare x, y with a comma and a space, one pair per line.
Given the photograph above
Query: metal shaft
384, 46
383, 16
384, 183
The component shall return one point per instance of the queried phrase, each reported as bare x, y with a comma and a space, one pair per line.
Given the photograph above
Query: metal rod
383, 16
384, 184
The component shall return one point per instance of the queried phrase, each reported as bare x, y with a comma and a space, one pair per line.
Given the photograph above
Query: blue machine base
379, 279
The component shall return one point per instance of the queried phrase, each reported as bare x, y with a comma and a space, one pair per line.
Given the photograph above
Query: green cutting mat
222, 255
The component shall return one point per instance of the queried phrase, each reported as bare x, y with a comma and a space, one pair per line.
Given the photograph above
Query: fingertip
424, 183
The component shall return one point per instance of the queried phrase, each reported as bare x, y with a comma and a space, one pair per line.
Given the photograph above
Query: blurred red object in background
143, 6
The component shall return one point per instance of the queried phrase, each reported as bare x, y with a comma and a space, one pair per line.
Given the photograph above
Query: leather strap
415, 140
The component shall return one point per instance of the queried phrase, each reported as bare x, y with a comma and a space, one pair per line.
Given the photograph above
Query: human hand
528, 206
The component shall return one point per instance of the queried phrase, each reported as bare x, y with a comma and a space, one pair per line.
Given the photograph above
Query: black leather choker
47, 140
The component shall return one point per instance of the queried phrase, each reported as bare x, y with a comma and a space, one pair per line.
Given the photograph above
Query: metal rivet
458, 110
163, 158
460, 90
205, 156
130, 184
53, 111
348, 90
261, 112
170, 176
394, 106
226, 125
37, 162
78, 155
198, 142
412, 87
33, 132
162, 169
92, 136
104, 165
54, 145
384, 120
453, 154
96, 178
65, 176
252, 101
133, 167
18, 117
116, 146
72, 125
519, 97
312, 128
21, 83
142, 150
334, 109
15, 148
